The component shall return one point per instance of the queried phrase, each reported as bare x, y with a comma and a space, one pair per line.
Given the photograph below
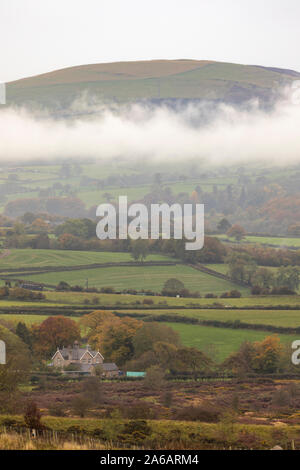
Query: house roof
75, 354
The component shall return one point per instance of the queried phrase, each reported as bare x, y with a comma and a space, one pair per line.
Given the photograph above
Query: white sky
42, 35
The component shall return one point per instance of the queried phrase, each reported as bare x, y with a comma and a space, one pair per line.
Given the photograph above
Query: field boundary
47, 269
212, 272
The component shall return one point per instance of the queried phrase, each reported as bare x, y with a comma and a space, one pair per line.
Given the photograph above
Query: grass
23, 258
163, 432
288, 319
77, 298
29, 320
196, 81
220, 342
139, 278
55, 299
277, 241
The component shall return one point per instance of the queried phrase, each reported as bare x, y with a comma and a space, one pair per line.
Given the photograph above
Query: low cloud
226, 135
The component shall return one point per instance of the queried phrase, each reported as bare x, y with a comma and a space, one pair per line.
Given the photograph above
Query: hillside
151, 80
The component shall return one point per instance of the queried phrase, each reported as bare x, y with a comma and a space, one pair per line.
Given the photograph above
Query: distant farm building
83, 361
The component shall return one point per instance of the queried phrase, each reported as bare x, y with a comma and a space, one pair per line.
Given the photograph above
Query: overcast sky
42, 35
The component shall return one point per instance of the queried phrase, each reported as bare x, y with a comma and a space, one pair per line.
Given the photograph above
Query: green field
276, 241
139, 278
40, 258
288, 318
28, 319
77, 298
220, 342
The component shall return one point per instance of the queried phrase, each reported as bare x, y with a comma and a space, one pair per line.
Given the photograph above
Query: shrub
80, 406
135, 431
137, 411
58, 409
211, 296
32, 416
148, 302
206, 413
233, 294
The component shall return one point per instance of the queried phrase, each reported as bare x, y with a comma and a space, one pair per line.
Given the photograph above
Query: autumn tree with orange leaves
267, 355
262, 357
53, 333
111, 335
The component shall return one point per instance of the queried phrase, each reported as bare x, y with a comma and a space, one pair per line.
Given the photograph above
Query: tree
240, 362
192, 360
32, 416
53, 333
69, 242
223, 226
94, 320
80, 406
288, 277
173, 285
41, 242
151, 333
15, 371
268, 354
24, 334
241, 267
264, 356
113, 335
263, 277
139, 250
155, 378
237, 232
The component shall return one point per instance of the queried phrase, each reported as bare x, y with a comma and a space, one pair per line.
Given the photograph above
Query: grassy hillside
24, 258
157, 79
221, 342
139, 278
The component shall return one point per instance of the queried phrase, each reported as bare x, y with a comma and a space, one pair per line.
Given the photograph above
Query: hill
156, 80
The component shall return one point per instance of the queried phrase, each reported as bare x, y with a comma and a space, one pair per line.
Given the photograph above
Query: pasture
276, 241
24, 258
219, 343
139, 278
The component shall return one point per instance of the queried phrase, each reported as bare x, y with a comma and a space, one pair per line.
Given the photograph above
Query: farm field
289, 318
54, 298
139, 278
24, 258
220, 342
277, 241
29, 320
77, 298
220, 268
